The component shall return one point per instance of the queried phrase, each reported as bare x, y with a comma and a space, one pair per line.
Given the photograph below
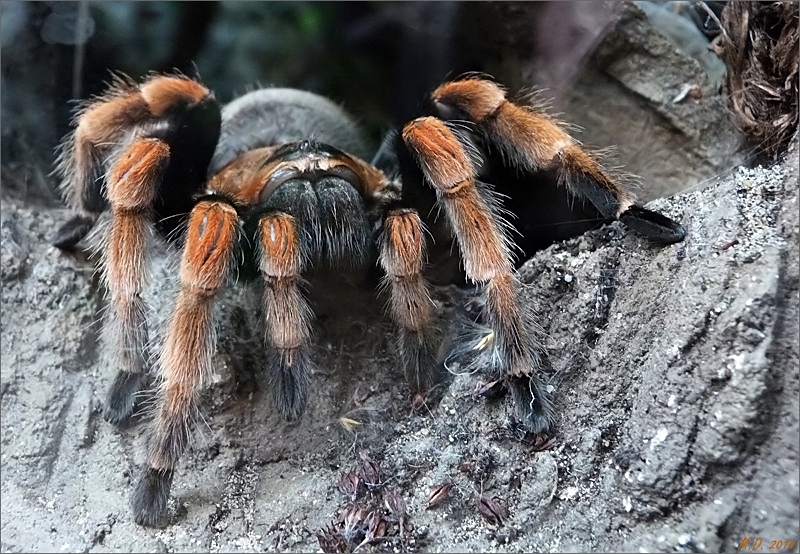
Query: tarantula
275, 184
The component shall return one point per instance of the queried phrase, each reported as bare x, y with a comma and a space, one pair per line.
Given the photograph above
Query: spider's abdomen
275, 116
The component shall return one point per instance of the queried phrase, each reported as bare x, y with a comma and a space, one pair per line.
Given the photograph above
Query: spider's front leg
132, 187
485, 250
141, 150
211, 239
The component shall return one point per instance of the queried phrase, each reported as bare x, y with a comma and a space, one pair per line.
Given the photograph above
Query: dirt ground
675, 376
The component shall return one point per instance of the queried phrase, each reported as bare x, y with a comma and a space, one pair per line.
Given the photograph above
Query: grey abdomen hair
267, 117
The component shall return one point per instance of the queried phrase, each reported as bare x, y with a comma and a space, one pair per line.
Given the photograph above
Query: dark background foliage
378, 59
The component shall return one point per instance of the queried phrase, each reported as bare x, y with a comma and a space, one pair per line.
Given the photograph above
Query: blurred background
377, 59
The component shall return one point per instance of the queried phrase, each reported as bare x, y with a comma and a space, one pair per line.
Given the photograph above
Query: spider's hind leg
531, 141
140, 150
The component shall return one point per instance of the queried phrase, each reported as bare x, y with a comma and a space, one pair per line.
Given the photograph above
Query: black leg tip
289, 381
123, 396
653, 225
533, 404
417, 351
149, 502
72, 232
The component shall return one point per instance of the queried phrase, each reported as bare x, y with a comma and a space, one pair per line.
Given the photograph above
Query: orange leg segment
484, 246
287, 314
532, 141
211, 239
402, 256
132, 184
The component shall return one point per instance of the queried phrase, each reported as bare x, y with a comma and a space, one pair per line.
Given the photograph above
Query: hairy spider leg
402, 257
211, 239
142, 150
177, 109
287, 315
478, 228
534, 141
99, 126
132, 187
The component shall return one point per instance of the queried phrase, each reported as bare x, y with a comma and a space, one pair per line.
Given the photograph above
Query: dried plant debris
364, 523
355, 483
759, 45
493, 510
357, 525
438, 495
369, 472
396, 506
491, 390
351, 485
330, 540
372, 514
361, 525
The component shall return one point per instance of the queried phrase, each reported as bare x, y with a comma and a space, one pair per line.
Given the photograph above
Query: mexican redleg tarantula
274, 185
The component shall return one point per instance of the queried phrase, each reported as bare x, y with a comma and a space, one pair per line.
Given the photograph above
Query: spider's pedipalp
211, 239
402, 255
286, 312
478, 228
304, 208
